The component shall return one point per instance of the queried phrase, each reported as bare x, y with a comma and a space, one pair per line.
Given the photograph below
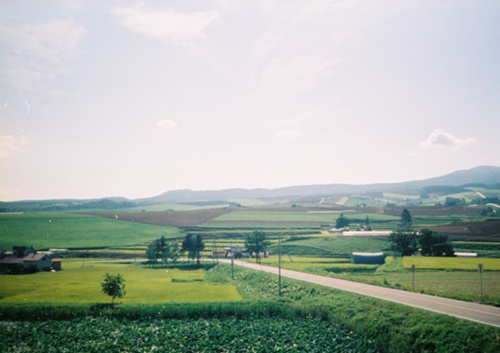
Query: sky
136, 98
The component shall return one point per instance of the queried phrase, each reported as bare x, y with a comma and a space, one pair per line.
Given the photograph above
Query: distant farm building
377, 258
23, 259
366, 233
466, 254
37, 262
57, 264
219, 253
236, 252
59, 252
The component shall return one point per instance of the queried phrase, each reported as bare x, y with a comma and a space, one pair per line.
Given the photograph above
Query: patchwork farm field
307, 318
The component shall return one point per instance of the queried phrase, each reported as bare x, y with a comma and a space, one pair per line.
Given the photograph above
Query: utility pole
279, 266
481, 280
413, 277
232, 268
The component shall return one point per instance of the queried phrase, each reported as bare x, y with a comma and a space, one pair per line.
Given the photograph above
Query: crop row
251, 334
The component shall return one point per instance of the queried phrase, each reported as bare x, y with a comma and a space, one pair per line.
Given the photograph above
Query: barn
37, 262
377, 258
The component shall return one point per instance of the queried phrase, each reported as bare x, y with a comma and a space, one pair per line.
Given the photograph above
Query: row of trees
343, 221
161, 250
405, 241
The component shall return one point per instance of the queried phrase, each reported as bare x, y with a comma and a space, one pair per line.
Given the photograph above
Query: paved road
484, 314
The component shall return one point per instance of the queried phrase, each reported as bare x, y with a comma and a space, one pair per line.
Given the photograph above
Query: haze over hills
482, 175
488, 175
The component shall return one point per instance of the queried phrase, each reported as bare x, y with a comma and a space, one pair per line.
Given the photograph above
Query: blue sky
134, 98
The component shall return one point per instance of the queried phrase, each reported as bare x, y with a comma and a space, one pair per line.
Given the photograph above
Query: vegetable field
252, 334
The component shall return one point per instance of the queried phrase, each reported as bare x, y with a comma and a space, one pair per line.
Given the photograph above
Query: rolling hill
487, 176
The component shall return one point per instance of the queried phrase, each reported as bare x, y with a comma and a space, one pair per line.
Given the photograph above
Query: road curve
484, 314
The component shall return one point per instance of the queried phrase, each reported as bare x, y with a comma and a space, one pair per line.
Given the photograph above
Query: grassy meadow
79, 282
451, 263
459, 279
64, 230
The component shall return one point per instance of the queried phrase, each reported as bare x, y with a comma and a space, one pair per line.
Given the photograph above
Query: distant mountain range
483, 175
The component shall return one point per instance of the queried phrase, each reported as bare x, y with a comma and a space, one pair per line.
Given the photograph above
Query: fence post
232, 267
413, 277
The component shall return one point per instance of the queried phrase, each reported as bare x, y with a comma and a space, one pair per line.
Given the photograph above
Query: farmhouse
37, 262
27, 260
22, 251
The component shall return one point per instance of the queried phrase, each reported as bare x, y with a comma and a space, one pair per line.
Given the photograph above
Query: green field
331, 246
64, 230
298, 216
79, 282
459, 279
352, 322
451, 263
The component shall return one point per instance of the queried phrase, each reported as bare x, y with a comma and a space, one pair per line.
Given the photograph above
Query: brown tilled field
474, 231
432, 211
167, 218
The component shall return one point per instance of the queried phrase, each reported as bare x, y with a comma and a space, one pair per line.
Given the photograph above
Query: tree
434, 244
425, 242
442, 246
256, 243
175, 252
151, 253
114, 286
406, 219
403, 241
453, 201
166, 253
342, 221
160, 247
193, 244
368, 223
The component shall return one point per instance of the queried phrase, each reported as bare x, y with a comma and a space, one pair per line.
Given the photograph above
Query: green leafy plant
114, 286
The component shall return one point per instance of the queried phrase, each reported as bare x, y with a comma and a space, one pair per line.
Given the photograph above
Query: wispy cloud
40, 52
10, 145
442, 139
179, 28
166, 124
